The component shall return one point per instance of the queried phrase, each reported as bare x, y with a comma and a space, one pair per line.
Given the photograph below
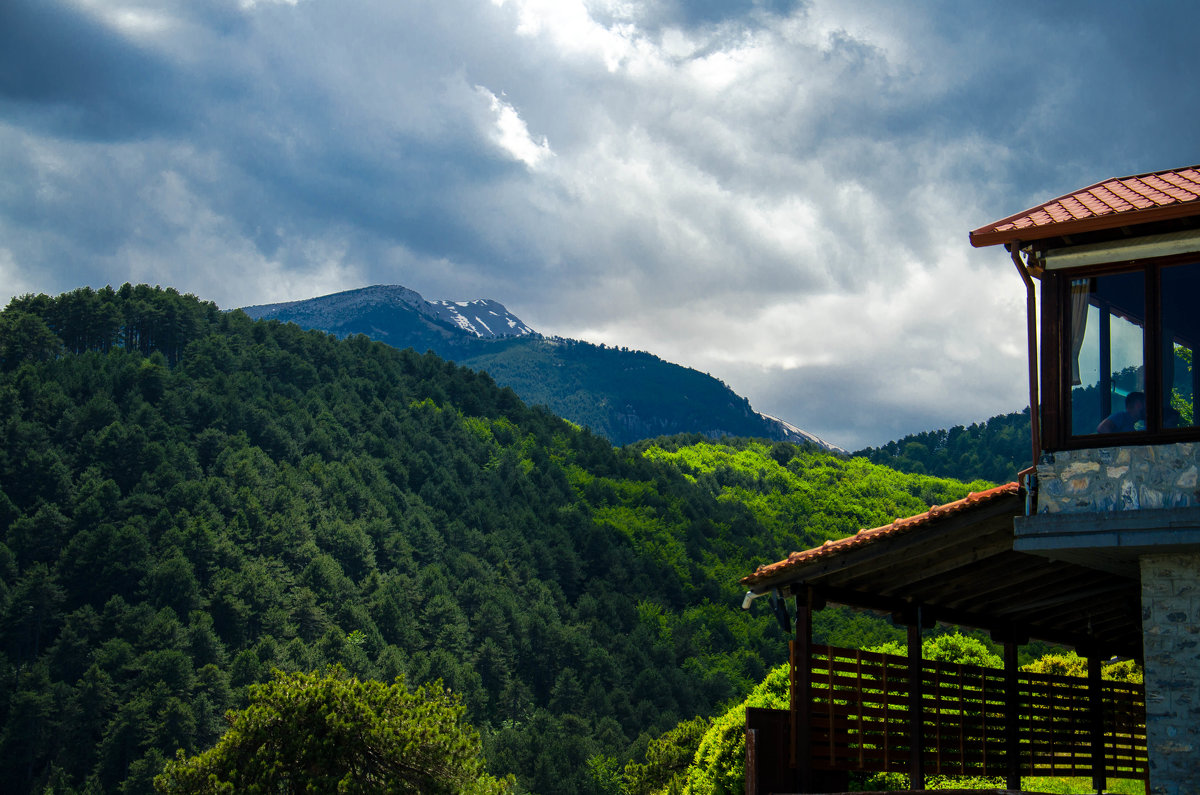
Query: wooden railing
859, 719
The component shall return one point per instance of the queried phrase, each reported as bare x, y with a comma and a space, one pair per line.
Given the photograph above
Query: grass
1071, 786
1052, 785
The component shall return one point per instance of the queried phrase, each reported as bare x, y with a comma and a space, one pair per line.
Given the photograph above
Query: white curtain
1080, 290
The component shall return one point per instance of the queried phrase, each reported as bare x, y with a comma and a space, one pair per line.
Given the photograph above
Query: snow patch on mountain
482, 317
799, 435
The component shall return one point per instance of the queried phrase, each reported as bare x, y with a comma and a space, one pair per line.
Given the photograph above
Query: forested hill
995, 450
189, 499
621, 394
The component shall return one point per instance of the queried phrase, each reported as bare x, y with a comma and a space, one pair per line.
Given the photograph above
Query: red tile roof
863, 537
1126, 201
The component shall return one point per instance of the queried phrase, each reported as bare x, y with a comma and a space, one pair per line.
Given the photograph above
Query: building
1098, 547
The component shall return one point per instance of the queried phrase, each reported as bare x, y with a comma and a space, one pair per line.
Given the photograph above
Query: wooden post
916, 733
1012, 717
1096, 720
751, 761
801, 706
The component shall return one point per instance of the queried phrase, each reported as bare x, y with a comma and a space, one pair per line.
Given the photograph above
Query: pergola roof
958, 564
1111, 204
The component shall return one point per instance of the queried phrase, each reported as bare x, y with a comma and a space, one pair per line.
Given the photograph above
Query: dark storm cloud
72, 76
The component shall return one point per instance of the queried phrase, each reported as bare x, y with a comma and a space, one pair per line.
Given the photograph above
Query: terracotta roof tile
864, 536
1112, 203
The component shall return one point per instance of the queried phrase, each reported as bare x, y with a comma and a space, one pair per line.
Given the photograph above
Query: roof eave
990, 236
796, 565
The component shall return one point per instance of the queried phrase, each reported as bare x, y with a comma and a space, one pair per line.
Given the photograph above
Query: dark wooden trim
1195, 390
1128, 439
1052, 363
1152, 342
1106, 406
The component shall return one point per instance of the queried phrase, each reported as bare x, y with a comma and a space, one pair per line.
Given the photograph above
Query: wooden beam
752, 762
1096, 720
801, 693
1012, 729
1070, 634
1020, 570
935, 568
1053, 360
986, 585
1102, 608
1088, 594
986, 568
916, 739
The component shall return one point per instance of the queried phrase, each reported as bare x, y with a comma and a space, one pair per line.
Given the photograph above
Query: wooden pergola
954, 564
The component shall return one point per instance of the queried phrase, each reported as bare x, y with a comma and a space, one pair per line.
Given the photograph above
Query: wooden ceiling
959, 566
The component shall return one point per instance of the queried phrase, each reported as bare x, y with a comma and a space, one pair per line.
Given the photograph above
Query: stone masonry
1171, 639
1120, 479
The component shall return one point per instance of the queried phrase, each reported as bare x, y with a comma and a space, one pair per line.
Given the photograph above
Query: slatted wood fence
859, 719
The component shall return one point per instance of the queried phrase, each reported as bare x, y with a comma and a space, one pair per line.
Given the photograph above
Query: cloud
510, 133
11, 277
774, 192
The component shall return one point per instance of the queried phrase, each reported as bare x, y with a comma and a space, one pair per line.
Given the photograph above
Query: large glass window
1180, 338
1106, 327
1129, 345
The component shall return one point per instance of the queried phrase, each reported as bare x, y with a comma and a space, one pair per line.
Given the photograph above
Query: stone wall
1120, 479
1171, 639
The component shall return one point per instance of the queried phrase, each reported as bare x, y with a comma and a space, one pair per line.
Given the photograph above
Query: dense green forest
995, 450
190, 499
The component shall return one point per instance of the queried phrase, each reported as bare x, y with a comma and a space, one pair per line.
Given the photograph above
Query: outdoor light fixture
750, 597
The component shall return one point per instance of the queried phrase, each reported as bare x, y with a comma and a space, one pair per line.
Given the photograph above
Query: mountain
190, 500
620, 394
395, 315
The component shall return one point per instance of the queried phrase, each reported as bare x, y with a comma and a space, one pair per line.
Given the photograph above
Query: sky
775, 192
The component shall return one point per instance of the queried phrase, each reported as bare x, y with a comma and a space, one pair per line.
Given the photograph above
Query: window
1107, 339
1123, 342
1180, 338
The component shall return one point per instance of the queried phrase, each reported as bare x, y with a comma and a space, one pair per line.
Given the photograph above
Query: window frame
1056, 351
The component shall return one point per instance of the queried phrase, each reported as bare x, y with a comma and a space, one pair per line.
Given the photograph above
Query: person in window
1125, 421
